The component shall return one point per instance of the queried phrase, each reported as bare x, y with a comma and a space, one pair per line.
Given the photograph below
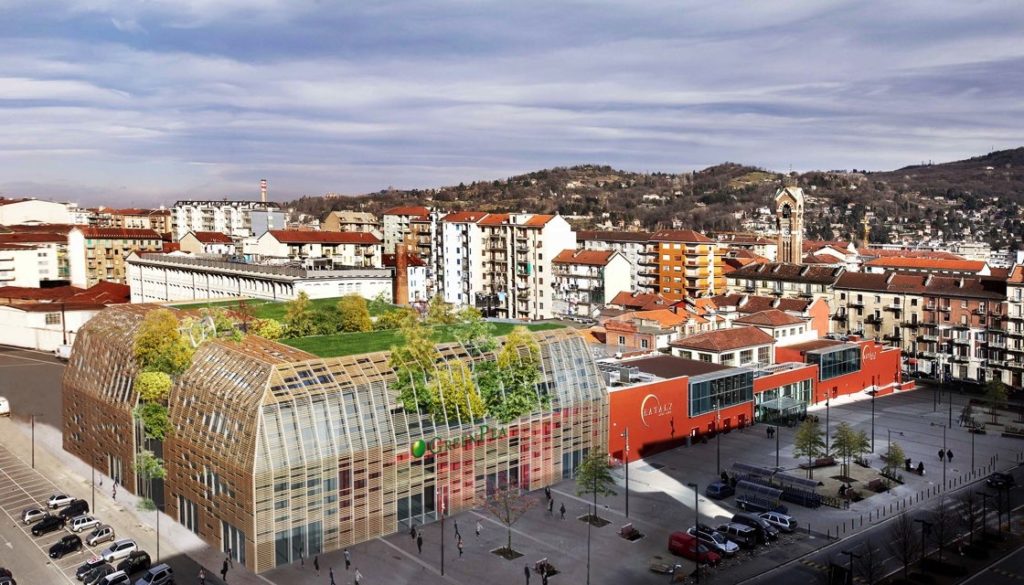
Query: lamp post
926, 527
443, 509
971, 431
718, 438
625, 456
874, 390
778, 415
949, 399
827, 400
696, 522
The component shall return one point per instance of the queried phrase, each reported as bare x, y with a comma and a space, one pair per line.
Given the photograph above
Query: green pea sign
437, 445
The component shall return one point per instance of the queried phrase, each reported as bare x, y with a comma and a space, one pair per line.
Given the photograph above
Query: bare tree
969, 511
869, 565
903, 542
946, 519
508, 504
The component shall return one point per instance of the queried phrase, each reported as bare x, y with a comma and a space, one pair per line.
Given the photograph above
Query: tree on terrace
809, 442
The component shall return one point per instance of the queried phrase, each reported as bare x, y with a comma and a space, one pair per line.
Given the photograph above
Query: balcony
855, 304
996, 343
873, 320
928, 337
912, 324
894, 337
893, 307
841, 317
961, 341
980, 311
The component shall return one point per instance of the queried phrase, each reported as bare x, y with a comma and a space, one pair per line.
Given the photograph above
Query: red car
687, 546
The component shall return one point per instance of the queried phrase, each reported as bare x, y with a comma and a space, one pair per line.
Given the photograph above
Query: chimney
263, 190
400, 283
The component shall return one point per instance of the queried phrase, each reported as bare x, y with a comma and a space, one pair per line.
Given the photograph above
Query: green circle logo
419, 448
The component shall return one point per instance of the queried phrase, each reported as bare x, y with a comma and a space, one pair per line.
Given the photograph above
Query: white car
5, 407
83, 522
33, 514
116, 578
781, 521
101, 533
57, 500
119, 550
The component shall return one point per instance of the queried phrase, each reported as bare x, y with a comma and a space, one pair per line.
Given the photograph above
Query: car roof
123, 541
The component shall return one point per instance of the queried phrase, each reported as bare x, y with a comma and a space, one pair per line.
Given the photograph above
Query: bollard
808, 529
862, 520
828, 534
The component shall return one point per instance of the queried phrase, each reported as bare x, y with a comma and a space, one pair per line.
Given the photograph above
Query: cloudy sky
146, 101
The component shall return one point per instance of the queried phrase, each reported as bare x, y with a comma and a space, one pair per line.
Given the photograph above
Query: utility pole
443, 514
625, 434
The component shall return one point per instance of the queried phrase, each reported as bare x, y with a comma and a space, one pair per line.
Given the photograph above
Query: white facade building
207, 243
21, 265
396, 224
38, 326
630, 244
179, 277
358, 249
462, 257
585, 280
234, 218
29, 211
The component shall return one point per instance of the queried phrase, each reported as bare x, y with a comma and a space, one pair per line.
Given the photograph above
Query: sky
142, 102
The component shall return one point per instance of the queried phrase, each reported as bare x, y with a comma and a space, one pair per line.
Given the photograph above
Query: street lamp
625, 457
696, 523
874, 390
443, 514
926, 527
827, 451
718, 437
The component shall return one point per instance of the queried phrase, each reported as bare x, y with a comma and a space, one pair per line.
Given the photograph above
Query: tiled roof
538, 221
132, 211
641, 301
494, 219
781, 271
821, 259
414, 260
815, 245
119, 233
755, 303
311, 237
408, 210
32, 238
102, 293
878, 253
599, 236
669, 366
970, 287
735, 238
725, 339
589, 257
47, 228
15, 247
464, 217
664, 317
688, 236
769, 318
212, 237
899, 262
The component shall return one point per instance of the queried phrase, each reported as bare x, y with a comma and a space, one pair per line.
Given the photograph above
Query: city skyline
144, 103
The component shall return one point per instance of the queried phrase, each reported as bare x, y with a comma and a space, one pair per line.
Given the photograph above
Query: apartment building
462, 256
681, 263
759, 245
585, 280
351, 221
785, 280
396, 223
20, 265
729, 308
630, 244
886, 307
1014, 327
52, 251
207, 243
138, 219
98, 254
356, 249
236, 218
737, 346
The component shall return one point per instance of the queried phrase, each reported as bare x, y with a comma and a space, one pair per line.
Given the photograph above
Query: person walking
460, 547
302, 559
331, 573
412, 532
526, 571
551, 507
478, 528
359, 576
348, 559
113, 492
316, 564
202, 576
457, 535
224, 571
543, 578
562, 510
231, 559
419, 543
547, 492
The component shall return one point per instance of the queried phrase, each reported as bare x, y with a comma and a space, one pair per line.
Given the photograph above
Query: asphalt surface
31, 381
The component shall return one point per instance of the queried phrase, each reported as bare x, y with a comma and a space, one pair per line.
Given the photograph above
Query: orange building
681, 263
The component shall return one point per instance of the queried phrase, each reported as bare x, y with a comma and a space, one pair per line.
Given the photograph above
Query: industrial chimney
263, 190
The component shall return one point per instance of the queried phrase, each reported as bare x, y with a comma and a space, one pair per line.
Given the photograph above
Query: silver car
781, 521
33, 514
58, 500
101, 533
118, 550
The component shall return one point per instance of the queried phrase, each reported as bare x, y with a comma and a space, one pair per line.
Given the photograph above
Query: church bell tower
789, 220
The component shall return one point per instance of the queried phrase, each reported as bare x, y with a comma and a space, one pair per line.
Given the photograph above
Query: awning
783, 404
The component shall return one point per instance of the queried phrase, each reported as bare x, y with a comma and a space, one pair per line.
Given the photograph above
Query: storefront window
837, 362
723, 391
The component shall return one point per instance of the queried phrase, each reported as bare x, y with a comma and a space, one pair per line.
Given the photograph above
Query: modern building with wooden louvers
274, 451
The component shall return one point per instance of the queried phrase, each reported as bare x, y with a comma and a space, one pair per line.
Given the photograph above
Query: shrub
153, 386
267, 328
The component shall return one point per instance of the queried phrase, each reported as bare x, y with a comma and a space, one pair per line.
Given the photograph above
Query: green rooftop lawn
355, 343
266, 309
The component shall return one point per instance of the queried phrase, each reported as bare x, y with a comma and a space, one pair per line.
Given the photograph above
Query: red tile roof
664, 317
15, 247
495, 219
899, 262
40, 228
464, 217
212, 237
769, 318
408, 210
538, 221
119, 233
102, 293
32, 238
688, 236
641, 301
725, 339
878, 253
588, 257
815, 245
414, 260
598, 236
781, 271
312, 237
821, 259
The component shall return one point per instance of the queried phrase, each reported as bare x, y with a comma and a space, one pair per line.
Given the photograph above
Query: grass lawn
267, 309
355, 343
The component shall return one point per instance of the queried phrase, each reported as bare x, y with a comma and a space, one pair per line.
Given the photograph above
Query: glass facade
783, 403
717, 390
838, 361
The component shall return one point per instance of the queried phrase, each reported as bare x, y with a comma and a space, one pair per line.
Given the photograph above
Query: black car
88, 566
75, 508
68, 544
8, 581
999, 481
137, 561
48, 524
97, 574
765, 531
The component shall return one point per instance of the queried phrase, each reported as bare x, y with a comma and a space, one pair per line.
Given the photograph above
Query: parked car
75, 508
86, 567
101, 533
135, 562
687, 545
765, 531
33, 514
68, 544
47, 525
1000, 480
158, 575
714, 540
5, 407
83, 522
783, 522
718, 490
8, 580
742, 535
57, 500
96, 575
116, 578
119, 549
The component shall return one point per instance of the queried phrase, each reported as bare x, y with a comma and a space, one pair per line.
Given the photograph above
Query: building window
721, 392
836, 363
764, 355
53, 318
705, 357
622, 340
644, 344
746, 356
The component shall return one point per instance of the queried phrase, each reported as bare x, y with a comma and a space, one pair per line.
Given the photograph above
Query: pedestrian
302, 559
231, 558
547, 492
460, 547
113, 493
419, 543
942, 454
457, 535
551, 507
224, 571
478, 528
348, 559
332, 576
949, 455
359, 576
202, 576
526, 571
543, 578
562, 510
316, 564
767, 432
412, 532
